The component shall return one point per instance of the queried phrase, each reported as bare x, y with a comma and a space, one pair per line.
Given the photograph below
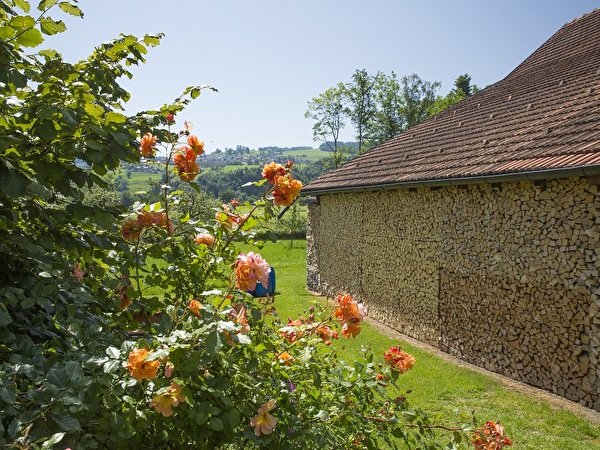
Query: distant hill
225, 172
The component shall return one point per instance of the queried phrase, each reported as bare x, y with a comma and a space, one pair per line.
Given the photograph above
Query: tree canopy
380, 106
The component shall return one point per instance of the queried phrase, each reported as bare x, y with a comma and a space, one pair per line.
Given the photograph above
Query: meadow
452, 393
139, 181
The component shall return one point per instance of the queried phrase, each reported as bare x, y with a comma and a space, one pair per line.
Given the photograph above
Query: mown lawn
437, 386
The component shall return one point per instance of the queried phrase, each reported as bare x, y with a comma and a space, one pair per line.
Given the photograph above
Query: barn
478, 230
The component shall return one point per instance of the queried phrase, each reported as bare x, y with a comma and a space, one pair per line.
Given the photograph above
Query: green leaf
22, 22
113, 352
195, 92
70, 8
50, 54
8, 394
115, 117
13, 185
93, 110
152, 39
40, 396
30, 38
46, 112
216, 424
191, 362
159, 354
201, 417
73, 370
322, 415
234, 417
45, 4
5, 318
47, 130
213, 343
58, 378
51, 27
7, 32
23, 4
54, 439
103, 219
111, 366
95, 145
14, 427
69, 116
66, 422
398, 432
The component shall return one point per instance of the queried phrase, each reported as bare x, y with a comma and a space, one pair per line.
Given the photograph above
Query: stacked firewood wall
505, 276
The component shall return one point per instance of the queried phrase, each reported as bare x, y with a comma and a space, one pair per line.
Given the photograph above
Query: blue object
261, 291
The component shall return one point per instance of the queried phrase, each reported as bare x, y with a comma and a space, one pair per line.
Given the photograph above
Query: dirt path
554, 400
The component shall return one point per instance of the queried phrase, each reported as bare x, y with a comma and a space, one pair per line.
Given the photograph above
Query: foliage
135, 329
462, 89
401, 104
328, 111
417, 96
442, 103
380, 106
360, 104
389, 120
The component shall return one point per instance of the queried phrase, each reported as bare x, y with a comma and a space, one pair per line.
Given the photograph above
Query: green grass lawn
438, 386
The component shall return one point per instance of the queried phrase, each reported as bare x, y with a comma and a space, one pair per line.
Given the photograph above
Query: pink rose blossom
250, 269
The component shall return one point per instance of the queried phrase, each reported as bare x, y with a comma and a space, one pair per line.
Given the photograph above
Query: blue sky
269, 58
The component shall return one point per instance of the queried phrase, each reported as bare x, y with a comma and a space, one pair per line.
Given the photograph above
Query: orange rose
185, 163
399, 360
147, 143
263, 422
195, 306
272, 170
196, 145
286, 190
139, 368
285, 358
162, 403
130, 230
204, 238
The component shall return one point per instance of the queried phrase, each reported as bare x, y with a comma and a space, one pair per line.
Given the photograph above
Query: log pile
505, 276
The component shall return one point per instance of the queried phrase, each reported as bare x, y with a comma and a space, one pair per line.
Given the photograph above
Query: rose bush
135, 329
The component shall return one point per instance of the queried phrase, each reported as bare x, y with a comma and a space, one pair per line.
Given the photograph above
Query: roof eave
544, 174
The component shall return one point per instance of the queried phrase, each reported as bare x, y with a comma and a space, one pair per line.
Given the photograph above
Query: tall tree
361, 107
463, 84
417, 95
329, 112
462, 89
388, 120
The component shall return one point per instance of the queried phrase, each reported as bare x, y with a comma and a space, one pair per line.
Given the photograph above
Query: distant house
478, 231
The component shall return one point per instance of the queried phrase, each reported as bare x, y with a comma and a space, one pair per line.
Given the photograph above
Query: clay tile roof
543, 118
